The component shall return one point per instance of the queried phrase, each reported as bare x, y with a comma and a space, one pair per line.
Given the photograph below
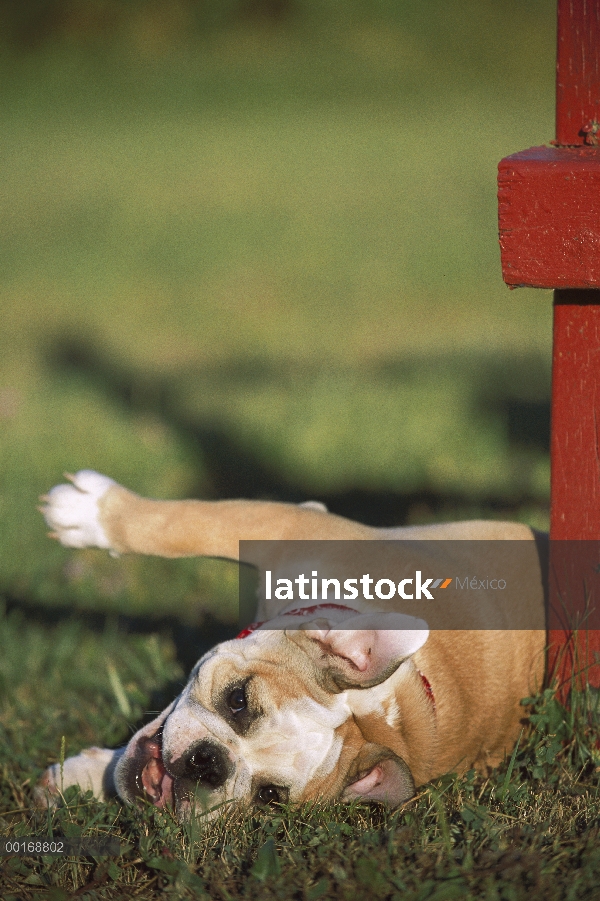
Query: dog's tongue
155, 779
368, 782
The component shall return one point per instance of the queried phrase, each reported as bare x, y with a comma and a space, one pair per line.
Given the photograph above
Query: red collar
309, 611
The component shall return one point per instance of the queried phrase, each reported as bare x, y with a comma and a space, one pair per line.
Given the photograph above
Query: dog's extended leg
92, 769
94, 511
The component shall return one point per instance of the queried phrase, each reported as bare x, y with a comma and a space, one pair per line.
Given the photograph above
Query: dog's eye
268, 794
236, 700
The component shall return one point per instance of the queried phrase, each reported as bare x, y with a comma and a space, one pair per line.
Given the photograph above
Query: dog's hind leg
94, 511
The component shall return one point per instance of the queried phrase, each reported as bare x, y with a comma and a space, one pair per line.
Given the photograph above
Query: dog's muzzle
152, 777
205, 767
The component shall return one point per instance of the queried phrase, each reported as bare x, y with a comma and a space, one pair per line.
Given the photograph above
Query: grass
529, 831
262, 260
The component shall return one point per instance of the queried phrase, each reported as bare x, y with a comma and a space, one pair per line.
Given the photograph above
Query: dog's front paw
47, 793
72, 511
90, 770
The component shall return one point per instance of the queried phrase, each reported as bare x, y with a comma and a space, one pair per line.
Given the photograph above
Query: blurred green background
249, 248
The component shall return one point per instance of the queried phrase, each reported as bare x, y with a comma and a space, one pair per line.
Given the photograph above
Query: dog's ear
388, 781
366, 651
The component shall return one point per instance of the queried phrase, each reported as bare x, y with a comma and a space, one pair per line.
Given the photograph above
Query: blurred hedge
30, 24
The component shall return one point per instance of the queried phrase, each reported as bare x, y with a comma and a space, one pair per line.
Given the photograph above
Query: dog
322, 702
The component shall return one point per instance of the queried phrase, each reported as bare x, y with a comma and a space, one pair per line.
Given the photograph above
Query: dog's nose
207, 763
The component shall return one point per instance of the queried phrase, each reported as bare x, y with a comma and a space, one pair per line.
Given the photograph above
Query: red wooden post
549, 217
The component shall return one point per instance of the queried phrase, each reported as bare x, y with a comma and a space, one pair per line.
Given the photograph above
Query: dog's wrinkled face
270, 719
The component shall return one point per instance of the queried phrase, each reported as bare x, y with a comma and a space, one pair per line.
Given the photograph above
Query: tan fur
335, 706
478, 677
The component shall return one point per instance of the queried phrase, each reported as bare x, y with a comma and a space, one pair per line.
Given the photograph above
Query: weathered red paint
577, 71
575, 472
575, 481
549, 197
575, 443
549, 217
549, 213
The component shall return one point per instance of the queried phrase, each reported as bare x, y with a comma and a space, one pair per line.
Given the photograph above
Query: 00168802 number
33, 846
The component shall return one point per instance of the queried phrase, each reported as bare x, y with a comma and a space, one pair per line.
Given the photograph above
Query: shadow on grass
228, 468
190, 641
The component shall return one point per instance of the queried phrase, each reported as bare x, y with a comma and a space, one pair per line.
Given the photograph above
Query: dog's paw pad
72, 513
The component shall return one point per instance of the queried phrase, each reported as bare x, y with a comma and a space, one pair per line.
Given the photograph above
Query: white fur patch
71, 511
296, 743
86, 770
392, 714
380, 700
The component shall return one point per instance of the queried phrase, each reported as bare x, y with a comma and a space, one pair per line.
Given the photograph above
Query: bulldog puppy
320, 702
